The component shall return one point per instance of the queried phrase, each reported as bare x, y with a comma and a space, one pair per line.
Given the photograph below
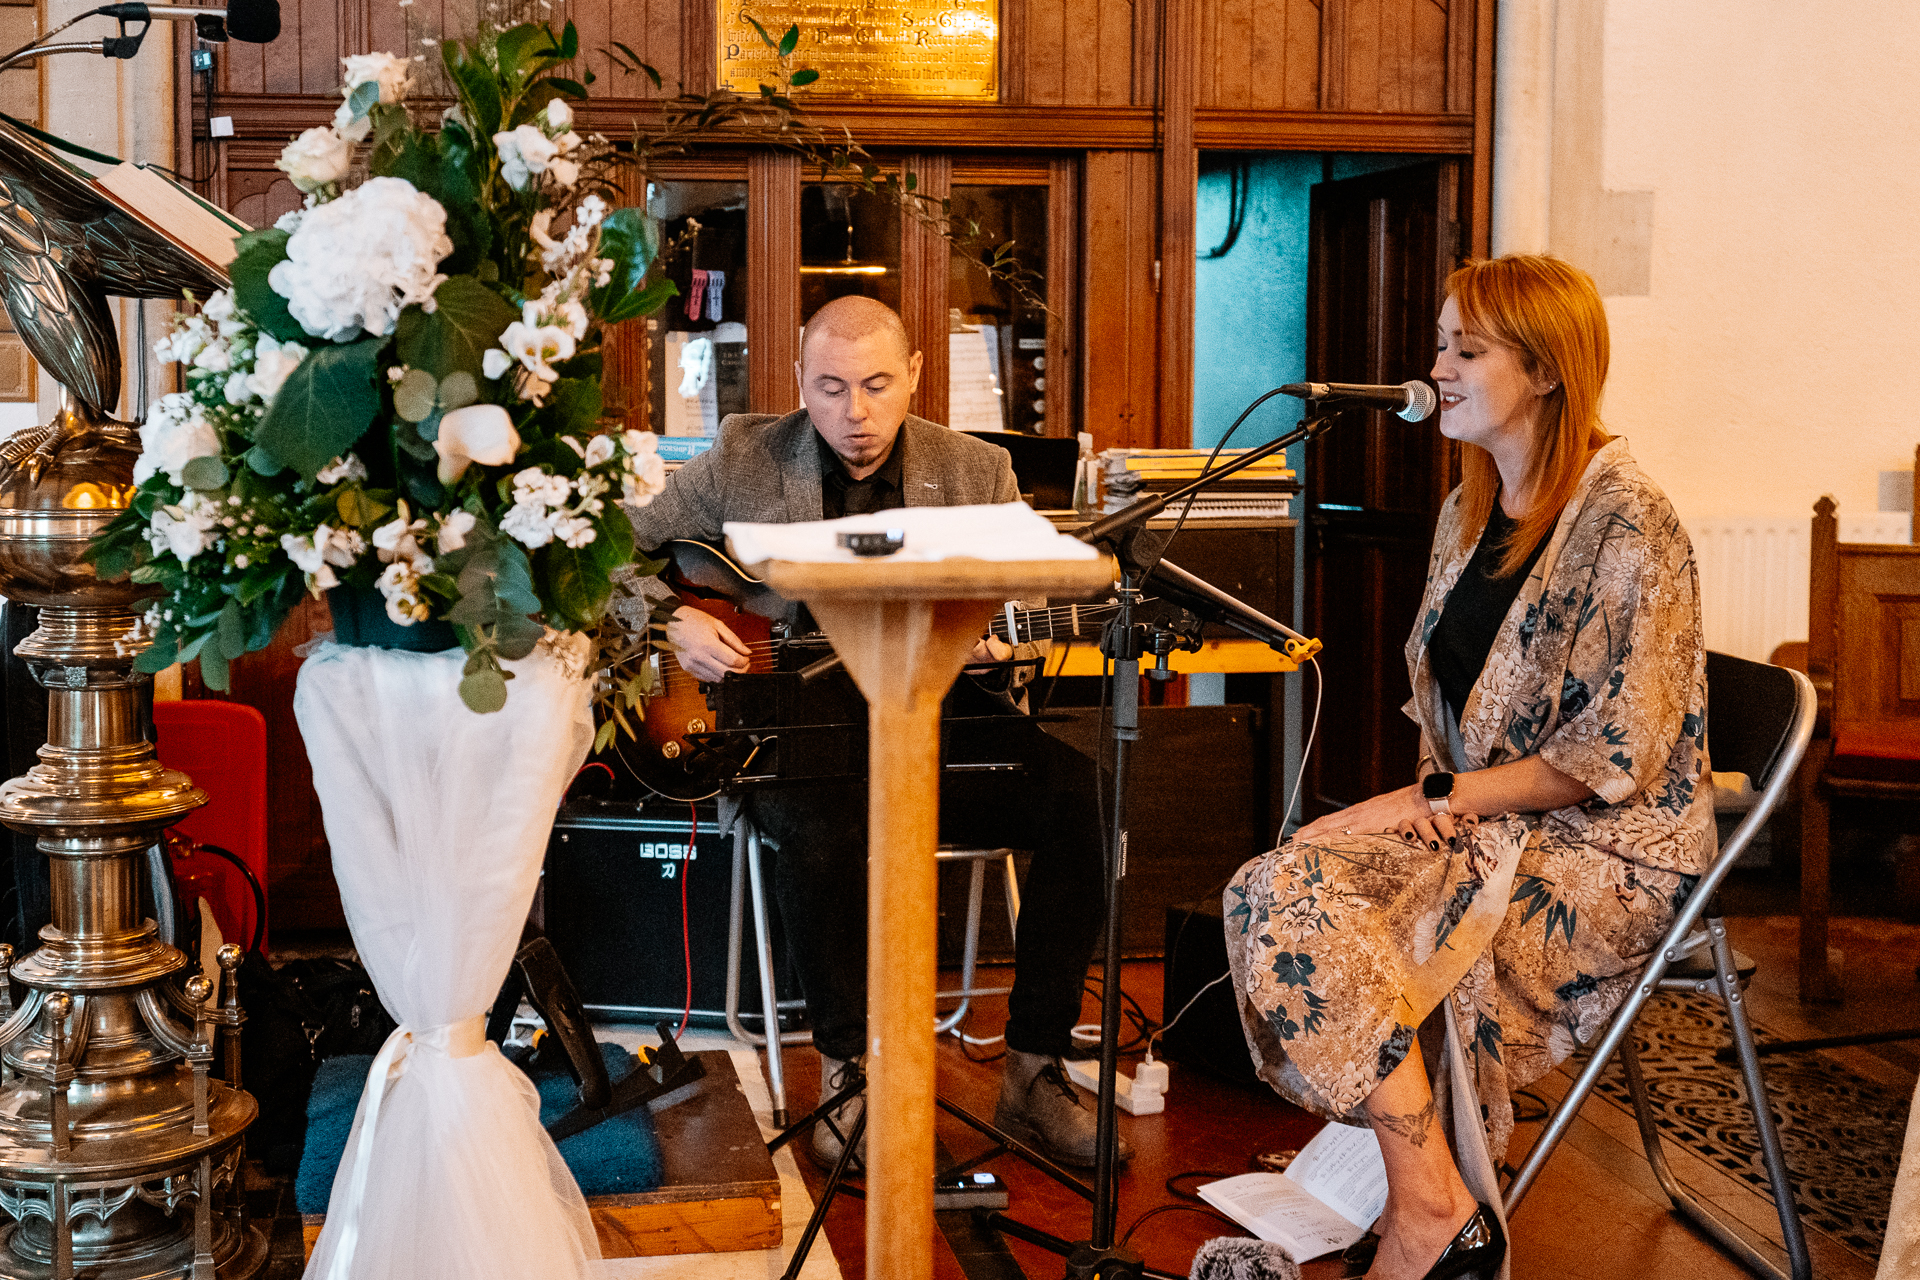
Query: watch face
1437, 786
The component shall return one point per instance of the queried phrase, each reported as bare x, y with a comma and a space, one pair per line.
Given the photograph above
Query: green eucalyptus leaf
485, 691
804, 77
204, 473
415, 395
468, 318
263, 463
457, 390
213, 669
326, 404
258, 253
231, 631
363, 98
158, 657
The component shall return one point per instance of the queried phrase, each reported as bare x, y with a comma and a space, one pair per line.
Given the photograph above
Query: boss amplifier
616, 877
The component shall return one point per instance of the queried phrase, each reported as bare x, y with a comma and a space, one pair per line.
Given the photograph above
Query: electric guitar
669, 759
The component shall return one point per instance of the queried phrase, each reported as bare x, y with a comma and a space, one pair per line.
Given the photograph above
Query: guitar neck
1062, 622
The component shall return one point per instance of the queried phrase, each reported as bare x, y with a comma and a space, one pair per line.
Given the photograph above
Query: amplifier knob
671, 751
696, 726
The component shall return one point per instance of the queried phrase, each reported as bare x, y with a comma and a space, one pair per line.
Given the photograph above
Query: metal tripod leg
746, 865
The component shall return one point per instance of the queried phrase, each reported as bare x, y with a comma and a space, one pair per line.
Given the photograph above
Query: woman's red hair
1550, 313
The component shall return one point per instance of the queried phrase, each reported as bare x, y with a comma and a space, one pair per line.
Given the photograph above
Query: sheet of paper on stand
1006, 531
1328, 1197
1263, 489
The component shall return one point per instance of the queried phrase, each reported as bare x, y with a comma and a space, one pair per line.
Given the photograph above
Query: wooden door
1380, 250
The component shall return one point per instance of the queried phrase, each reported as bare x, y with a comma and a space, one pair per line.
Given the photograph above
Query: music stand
904, 629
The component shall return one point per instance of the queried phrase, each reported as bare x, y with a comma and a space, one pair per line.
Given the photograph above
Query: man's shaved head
852, 318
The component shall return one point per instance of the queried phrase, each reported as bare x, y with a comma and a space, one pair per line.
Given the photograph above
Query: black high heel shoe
1479, 1248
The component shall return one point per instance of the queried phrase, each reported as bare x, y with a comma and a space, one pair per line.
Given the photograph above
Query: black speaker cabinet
1208, 1034
614, 879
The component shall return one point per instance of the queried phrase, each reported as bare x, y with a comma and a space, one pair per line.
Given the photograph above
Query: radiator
1753, 574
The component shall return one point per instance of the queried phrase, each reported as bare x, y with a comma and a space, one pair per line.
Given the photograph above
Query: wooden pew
1863, 655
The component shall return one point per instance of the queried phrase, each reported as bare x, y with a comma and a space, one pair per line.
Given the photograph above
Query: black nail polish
1434, 845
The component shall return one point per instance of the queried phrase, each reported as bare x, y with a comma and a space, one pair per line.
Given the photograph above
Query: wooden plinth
719, 1192
903, 630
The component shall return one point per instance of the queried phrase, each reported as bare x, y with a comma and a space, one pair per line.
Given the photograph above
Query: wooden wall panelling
1333, 55
924, 275
1013, 50
1479, 234
1462, 25
1063, 280
1261, 55
1391, 55
1080, 52
773, 285
1179, 181
1119, 319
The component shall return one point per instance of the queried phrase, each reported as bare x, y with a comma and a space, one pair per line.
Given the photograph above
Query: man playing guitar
853, 449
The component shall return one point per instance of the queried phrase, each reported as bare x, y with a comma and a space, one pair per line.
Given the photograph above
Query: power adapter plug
1135, 1097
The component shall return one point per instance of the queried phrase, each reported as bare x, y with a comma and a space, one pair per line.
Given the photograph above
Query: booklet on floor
1326, 1200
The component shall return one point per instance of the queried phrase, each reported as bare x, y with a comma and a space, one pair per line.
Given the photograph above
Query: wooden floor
1595, 1212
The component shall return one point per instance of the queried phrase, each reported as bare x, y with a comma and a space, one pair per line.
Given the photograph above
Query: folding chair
1758, 723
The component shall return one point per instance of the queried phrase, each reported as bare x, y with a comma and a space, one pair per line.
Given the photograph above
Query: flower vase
360, 617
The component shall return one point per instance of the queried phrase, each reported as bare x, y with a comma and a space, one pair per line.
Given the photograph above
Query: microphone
255, 21
1414, 401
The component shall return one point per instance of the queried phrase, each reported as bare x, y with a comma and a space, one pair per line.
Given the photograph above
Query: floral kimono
1534, 925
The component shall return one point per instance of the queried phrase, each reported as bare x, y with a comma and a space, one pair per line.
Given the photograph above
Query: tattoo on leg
1414, 1128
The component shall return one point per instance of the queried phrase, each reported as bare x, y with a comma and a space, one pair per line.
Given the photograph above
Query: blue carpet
619, 1156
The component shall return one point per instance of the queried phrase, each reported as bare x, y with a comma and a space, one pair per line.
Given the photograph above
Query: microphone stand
1100, 1257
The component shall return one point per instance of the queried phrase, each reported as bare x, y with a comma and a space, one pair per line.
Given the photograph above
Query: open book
174, 212
1326, 1200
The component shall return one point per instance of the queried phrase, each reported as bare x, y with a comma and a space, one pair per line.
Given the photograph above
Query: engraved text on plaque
880, 49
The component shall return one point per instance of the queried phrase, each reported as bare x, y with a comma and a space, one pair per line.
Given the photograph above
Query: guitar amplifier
615, 876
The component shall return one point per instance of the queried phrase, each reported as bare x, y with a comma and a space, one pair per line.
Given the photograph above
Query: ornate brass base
120, 1143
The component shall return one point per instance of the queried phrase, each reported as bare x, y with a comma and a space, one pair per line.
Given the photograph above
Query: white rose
599, 449
393, 74
272, 362
480, 433
305, 555
564, 172
495, 362
185, 530
453, 531
237, 391
173, 435
316, 158
559, 116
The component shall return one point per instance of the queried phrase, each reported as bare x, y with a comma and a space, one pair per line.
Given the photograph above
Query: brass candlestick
120, 1150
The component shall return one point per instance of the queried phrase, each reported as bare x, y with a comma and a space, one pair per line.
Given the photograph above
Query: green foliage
467, 319
205, 473
258, 253
326, 404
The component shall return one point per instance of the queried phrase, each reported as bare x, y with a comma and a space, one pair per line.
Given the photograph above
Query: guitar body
666, 759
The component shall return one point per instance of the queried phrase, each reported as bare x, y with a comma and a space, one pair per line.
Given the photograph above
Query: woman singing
1559, 812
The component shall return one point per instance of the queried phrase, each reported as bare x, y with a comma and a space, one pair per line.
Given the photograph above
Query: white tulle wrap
438, 819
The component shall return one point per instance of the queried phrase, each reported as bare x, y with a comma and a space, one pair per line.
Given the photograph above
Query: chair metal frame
1681, 940
749, 887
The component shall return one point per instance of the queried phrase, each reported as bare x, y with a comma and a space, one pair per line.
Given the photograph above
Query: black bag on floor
298, 1014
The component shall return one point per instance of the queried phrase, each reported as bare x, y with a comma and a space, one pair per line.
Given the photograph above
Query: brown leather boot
1040, 1106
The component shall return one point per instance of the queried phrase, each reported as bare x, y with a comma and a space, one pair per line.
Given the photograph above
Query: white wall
1743, 176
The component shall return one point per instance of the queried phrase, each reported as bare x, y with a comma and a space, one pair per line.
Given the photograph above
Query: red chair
222, 746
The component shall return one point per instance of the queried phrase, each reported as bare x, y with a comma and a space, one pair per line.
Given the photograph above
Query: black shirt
1477, 606
842, 495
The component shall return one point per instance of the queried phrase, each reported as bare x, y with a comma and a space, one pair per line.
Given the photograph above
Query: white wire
1183, 1011
1293, 800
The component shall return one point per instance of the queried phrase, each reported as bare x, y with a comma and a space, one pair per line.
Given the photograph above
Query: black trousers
820, 876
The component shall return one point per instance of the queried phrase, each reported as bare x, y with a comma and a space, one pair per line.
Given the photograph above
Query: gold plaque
881, 49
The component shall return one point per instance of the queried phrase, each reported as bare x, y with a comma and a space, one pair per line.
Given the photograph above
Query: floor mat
1841, 1132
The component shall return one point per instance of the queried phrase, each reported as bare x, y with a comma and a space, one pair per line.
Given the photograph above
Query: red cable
686, 931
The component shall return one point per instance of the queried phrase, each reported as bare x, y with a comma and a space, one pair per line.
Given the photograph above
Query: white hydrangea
541, 511
223, 315
173, 435
184, 529
184, 343
355, 262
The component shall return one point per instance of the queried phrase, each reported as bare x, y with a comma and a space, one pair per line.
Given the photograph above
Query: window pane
997, 363
697, 346
849, 244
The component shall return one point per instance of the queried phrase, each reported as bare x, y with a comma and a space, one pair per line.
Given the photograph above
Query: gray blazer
766, 469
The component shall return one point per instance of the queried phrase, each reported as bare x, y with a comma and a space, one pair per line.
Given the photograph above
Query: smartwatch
1437, 787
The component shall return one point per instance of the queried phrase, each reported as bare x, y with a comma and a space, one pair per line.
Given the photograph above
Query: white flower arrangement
356, 262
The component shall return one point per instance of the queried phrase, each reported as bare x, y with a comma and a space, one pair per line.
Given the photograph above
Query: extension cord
1141, 1094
